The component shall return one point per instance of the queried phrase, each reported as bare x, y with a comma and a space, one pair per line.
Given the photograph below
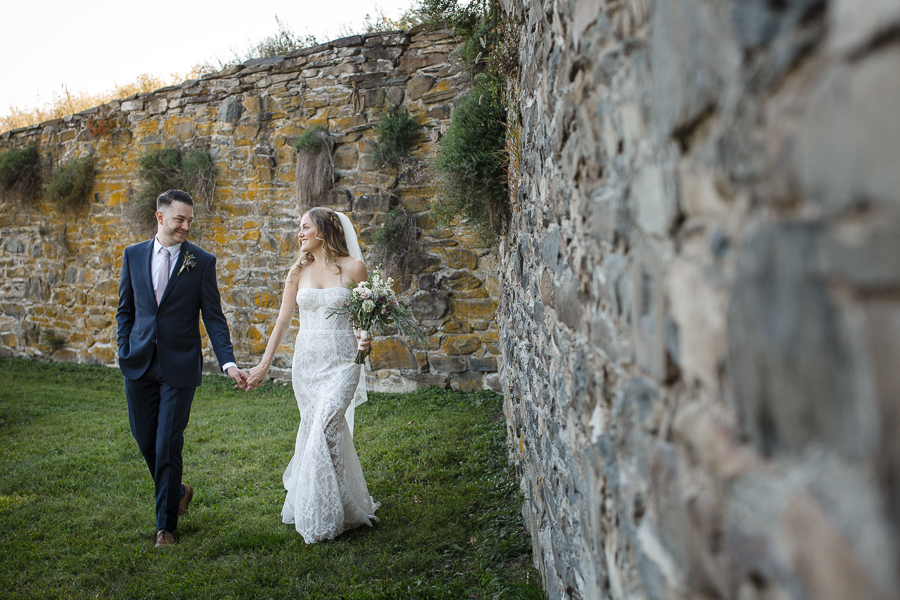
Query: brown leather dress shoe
164, 538
188, 496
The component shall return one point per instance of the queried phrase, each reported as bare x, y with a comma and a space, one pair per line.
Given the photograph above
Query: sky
94, 45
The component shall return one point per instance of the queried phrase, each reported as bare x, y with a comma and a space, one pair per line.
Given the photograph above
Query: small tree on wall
397, 131
315, 169
170, 168
393, 242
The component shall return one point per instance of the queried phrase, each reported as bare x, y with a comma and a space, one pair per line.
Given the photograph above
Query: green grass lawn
76, 500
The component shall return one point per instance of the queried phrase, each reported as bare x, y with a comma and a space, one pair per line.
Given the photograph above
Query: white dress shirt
156, 262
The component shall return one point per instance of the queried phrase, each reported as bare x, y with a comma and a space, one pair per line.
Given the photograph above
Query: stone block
422, 262
9, 339
692, 57
856, 23
462, 284
864, 258
429, 305
447, 364
698, 309
460, 258
455, 345
347, 42
881, 335
132, 105
395, 95
789, 358
441, 380
469, 381
369, 203
485, 364
441, 92
481, 309
759, 22
570, 301
648, 311
439, 112
673, 522
551, 249
337, 199
419, 85
604, 215
654, 194
850, 134
345, 157
391, 354
382, 53
829, 567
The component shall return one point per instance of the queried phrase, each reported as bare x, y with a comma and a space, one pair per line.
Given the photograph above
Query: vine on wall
315, 168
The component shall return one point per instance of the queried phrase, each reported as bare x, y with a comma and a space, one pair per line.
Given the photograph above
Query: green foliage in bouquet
373, 306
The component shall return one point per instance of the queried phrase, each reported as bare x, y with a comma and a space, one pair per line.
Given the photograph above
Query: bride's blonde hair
329, 230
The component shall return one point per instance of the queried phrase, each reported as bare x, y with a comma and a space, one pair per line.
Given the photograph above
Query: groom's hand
240, 377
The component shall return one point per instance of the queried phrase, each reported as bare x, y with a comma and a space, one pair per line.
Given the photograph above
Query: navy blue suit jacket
173, 328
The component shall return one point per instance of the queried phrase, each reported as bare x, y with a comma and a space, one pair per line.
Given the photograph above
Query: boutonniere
188, 263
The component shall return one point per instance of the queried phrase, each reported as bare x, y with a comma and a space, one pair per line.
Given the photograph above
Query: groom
166, 283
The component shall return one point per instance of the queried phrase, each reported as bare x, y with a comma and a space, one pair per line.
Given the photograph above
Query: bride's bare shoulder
354, 269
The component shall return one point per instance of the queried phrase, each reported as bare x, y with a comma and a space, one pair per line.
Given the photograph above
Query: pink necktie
163, 278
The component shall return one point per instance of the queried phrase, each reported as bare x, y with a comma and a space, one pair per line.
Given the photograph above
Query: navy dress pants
158, 414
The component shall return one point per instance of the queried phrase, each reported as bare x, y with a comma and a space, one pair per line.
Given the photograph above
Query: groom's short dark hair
165, 200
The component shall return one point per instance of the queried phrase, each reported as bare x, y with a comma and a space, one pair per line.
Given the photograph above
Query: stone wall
59, 271
700, 307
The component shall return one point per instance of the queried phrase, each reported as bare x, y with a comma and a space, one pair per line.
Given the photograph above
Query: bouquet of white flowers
372, 306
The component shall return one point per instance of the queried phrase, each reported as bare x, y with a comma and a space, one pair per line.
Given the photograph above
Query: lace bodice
315, 304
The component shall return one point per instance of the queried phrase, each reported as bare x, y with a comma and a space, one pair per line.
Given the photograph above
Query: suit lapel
146, 255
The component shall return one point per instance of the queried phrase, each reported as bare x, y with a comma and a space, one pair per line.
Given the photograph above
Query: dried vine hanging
315, 167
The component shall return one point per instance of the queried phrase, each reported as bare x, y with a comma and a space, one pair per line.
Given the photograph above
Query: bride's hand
257, 376
363, 344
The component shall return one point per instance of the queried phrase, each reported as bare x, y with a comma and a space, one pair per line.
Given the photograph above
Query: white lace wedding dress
326, 490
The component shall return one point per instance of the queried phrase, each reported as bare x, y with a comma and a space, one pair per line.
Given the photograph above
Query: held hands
239, 376
256, 377
258, 374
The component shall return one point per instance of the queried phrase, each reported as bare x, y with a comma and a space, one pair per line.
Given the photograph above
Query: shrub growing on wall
480, 154
396, 133
315, 169
167, 169
392, 244
20, 171
471, 161
70, 184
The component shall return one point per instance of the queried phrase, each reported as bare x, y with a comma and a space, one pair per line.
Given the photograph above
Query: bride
326, 490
